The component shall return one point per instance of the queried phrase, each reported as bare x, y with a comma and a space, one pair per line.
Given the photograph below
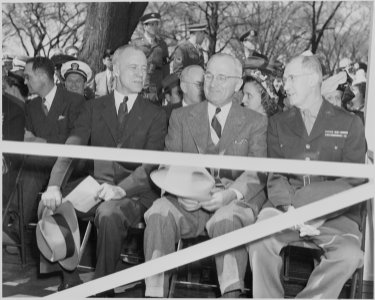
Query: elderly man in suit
122, 119
313, 129
216, 126
103, 83
49, 119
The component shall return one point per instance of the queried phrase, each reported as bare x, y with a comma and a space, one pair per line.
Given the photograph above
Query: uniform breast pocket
331, 150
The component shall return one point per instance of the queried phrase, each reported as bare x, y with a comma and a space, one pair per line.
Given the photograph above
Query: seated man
122, 119
76, 75
49, 119
216, 126
313, 129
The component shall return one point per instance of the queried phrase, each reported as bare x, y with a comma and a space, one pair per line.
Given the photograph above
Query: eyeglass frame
223, 76
198, 84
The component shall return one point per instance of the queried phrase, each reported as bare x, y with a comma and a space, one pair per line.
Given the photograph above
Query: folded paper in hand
84, 196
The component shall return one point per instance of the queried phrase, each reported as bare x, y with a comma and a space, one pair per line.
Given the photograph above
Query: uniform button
307, 146
307, 158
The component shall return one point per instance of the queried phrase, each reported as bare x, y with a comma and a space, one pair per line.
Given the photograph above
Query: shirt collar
120, 97
222, 116
314, 108
50, 96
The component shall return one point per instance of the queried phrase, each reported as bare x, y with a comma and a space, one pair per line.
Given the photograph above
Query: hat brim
255, 62
159, 178
66, 209
151, 20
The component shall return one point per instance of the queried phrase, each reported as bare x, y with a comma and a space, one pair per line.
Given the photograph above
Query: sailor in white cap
190, 52
76, 74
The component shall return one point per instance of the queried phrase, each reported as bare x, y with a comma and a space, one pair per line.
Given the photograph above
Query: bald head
192, 84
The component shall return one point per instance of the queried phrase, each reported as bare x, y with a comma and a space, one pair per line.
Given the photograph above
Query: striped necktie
44, 106
216, 124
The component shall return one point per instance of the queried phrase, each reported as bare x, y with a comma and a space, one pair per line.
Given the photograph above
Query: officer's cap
251, 33
197, 27
151, 17
78, 67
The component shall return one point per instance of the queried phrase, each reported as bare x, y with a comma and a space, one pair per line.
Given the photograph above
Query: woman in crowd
258, 96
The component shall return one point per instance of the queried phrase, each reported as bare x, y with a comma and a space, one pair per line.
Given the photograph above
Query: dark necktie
215, 123
44, 106
122, 111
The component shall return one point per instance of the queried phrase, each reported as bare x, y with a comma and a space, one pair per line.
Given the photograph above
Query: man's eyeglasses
197, 84
220, 77
292, 77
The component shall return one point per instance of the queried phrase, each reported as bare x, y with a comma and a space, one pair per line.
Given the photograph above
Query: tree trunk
108, 26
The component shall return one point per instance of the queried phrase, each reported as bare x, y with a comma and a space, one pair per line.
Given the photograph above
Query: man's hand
304, 229
52, 197
110, 192
219, 199
189, 204
30, 137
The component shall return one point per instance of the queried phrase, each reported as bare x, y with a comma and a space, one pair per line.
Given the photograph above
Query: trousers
167, 222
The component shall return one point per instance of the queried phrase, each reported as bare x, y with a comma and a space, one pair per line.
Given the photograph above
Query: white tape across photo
189, 159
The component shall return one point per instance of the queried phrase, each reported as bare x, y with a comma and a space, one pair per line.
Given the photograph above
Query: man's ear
116, 71
183, 87
238, 85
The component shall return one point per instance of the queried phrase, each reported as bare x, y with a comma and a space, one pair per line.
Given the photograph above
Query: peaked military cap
151, 17
78, 67
197, 27
251, 33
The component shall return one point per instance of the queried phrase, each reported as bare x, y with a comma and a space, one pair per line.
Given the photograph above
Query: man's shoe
68, 285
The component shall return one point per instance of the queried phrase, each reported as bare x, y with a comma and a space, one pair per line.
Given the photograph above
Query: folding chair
300, 258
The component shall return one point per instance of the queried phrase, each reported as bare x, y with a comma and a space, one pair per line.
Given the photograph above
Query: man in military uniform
190, 52
156, 51
313, 129
76, 75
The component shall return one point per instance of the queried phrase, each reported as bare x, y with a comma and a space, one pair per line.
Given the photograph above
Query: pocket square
240, 142
61, 118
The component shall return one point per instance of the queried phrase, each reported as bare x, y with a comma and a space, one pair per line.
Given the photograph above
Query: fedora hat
186, 182
57, 235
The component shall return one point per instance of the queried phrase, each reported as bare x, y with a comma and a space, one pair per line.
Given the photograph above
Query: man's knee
106, 212
229, 218
160, 207
348, 253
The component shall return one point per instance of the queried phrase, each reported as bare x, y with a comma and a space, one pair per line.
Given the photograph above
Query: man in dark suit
122, 119
239, 195
313, 129
49, 119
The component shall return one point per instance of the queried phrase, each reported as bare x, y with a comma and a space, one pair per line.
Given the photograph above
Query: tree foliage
331, 29
41, 27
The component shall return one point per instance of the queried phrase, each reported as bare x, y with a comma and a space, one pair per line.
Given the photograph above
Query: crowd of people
149, 99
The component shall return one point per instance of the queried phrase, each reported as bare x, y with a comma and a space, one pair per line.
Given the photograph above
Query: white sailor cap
78, 67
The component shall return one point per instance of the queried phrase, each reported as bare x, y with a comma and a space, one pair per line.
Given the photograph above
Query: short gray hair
237, 64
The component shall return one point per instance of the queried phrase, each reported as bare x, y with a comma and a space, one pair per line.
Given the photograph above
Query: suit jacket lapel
58, 106
232, 127
199, 126
110, 115
325, 112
